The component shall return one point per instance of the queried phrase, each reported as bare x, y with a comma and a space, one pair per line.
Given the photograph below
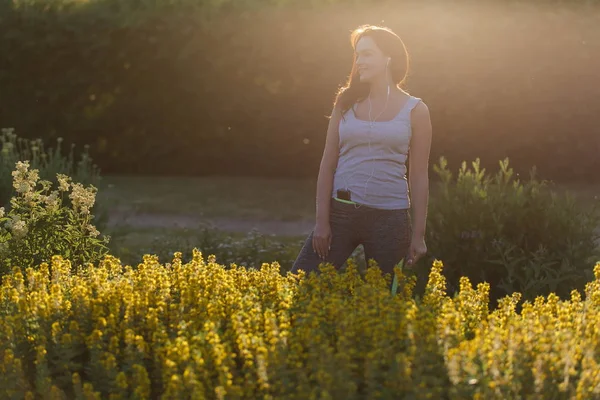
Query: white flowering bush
39, 225
49, 161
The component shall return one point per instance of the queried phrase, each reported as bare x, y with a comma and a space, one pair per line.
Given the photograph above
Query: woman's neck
379, 89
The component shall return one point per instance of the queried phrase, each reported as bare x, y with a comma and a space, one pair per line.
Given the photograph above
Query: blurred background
242, 88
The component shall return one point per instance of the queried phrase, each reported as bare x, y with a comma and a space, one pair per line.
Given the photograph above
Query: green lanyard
407, 272
345, 201
395, 285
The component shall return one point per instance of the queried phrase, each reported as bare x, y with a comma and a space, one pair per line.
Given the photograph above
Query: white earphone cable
371, 122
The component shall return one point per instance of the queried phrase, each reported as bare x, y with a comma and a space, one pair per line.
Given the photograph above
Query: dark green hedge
217, 87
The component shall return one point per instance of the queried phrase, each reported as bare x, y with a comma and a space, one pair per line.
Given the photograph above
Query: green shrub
518, 236
39, 224
249, 250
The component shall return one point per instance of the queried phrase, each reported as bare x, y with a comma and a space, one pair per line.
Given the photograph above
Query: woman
362, 189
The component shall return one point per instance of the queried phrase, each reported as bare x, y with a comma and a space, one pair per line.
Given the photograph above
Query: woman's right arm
322, 233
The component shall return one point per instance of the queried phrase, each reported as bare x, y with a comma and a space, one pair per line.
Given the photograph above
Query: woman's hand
418, 249
321, 240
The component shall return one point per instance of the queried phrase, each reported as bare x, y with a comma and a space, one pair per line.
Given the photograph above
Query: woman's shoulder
415, 103
408, 95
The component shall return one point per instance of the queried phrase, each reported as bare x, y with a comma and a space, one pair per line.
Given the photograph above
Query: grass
255, 198
258, 199
213, 197
283, 200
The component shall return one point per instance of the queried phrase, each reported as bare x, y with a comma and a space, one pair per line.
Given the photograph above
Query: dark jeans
384, 234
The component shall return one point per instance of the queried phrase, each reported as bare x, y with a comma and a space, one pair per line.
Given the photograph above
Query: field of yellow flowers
200, 330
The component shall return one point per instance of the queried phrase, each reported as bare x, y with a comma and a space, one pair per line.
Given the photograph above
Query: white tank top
375, 172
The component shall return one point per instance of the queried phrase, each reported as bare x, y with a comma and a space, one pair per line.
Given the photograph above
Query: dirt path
153, 220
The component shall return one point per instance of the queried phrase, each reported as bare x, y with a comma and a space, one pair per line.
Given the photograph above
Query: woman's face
371, 63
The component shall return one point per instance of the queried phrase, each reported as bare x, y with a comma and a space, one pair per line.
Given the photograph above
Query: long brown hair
391, 45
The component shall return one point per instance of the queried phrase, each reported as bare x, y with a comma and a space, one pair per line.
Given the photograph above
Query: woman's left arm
420, 146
